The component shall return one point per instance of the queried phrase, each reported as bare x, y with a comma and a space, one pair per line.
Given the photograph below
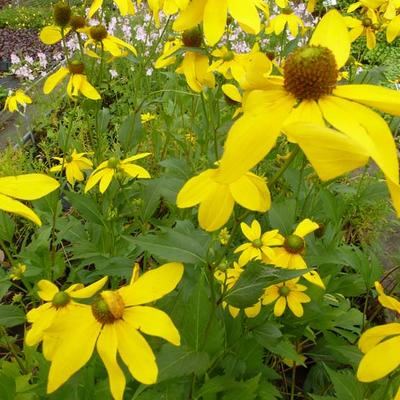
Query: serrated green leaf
345, 384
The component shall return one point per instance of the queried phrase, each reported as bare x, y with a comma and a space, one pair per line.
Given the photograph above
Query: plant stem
284, 166
293, 383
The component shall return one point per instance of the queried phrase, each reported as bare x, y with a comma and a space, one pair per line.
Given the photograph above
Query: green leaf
7, 227
102, 121
345, 384
215, 385
174, 362
87, 207
11, 316
151, 198
188, 246
255, 278
131, 132
282, 216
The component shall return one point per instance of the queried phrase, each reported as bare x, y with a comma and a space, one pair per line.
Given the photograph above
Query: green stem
11, 349
284, 166
6, 252
293, 383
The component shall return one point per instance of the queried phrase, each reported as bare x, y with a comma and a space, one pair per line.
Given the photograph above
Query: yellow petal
216, 208
280, 306
88, 90
153, 322
191, 16
94, 178
90, 290
107, 349
123, 44
314, 278
373, 336
94, 7
305, 227
384, 99
252, 232
47, 290
13, 206
135, 171
380, 361
196, 189
50, 34
294, 305
307, 111
135, 157
76, 346
246, 14
106, 179
214, 20
270, 295
28, 186
331, 27
253, 311
153, 284
232, 92
393, 29
136, 353
330, 152
42, 317
54, 79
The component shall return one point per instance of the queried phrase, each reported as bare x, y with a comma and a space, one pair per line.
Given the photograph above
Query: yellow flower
224, 236
100, 39
58, 304
288, 293
195, 68
126, 7
230, 64
259, 245
293, 246
213, 14
77, 83
278, 23
393, 29
217, 198
19, 97
380, 344
114, 323
17, 271
74, 164
308, 94
366, 26
107, 169
24, 187
166, 58
147, 117
228, 279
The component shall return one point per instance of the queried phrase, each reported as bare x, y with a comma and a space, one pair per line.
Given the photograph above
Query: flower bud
62, 14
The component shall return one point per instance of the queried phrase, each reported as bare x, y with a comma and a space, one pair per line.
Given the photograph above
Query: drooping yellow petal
373, 336
196, 189
107, 348
28, 186
76, 346
121, 43
330, 152
152, 285
253, 311
393, 29
94, 7
270, 295
191, 16
331, 27
136, 353
280, 306
94, 178
246, 14
88, 90
50, 34
47, 290
90, 290
13, 206
380, 360
106, 179
294, 304
152, 321
41, 317
135, 171
54, 79
216, 208
125, 7
252, 232
232, 92
384, 99
314, 278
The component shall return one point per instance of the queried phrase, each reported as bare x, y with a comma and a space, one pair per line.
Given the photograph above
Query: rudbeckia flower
73, 164
288, 293
380, 345
228, 63
195, 68
167, 58
77, 83
308, 93
114, 323
18, 98
125, 7
100, 39
168, 6
287, 17
366, 26
213, 14
217, 198
58, 304
260, 244
228, 279
293, 246
24, 187
107, 169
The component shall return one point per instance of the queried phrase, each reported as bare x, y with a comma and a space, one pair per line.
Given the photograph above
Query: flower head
217, 198
147, 117
107, 169
24, 187
77, 83
260, 244
289, 255
114, 323
15, 99
74, 166
288, 293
